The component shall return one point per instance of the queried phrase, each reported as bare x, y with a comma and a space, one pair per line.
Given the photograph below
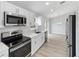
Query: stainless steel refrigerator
71, 35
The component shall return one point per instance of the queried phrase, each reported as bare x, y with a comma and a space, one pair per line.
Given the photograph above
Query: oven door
22, 50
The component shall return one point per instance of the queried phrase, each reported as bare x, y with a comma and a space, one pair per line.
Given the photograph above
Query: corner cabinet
3, 50
4, 53
36, 42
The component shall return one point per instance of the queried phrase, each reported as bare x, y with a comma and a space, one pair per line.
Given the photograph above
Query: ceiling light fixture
47, 3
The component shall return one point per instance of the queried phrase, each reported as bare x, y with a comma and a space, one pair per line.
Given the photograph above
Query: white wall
77, 31
58, 25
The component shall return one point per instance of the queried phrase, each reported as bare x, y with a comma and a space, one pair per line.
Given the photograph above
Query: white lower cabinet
3, 50
33, 45
36, 42
4, 53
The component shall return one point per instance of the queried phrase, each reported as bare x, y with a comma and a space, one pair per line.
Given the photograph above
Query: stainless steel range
19, 45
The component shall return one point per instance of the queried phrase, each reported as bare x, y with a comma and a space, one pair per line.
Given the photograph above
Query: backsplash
26, 30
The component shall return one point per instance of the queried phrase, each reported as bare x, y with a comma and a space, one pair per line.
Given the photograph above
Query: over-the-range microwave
13, 19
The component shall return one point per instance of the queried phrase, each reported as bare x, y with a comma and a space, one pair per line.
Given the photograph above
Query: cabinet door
42, 39
33, 45
4, 53
38, 42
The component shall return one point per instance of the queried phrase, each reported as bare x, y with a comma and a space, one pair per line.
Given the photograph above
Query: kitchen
24, 32
15, 33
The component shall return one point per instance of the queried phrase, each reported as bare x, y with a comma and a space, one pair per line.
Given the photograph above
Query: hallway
55, 47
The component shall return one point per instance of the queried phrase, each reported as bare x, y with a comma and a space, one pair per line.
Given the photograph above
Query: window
38, 21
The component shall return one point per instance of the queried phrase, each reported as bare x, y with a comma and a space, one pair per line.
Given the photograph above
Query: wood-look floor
54, 47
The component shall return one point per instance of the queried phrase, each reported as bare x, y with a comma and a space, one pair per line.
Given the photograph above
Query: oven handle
19, 46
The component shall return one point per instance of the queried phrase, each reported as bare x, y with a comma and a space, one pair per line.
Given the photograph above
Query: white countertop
3, 47
32, 34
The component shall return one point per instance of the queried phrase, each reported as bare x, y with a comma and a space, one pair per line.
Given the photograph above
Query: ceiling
40, 7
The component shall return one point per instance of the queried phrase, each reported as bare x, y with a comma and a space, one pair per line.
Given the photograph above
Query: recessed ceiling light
51, 10
47, 3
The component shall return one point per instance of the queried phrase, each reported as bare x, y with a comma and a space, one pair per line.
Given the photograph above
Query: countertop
32, 34
3, 47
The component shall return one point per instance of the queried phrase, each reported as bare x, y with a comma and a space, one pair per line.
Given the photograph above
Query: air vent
62, 2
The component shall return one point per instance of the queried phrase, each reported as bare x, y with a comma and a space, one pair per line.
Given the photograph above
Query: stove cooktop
15, 43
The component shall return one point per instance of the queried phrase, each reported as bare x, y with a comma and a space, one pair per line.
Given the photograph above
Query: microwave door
11, 19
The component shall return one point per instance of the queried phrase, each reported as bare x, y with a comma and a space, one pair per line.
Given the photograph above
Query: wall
8, 7
58, 25
43, 21
77, 31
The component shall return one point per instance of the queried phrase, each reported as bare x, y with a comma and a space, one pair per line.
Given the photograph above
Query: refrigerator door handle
67, 40
68, 44
66, 37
